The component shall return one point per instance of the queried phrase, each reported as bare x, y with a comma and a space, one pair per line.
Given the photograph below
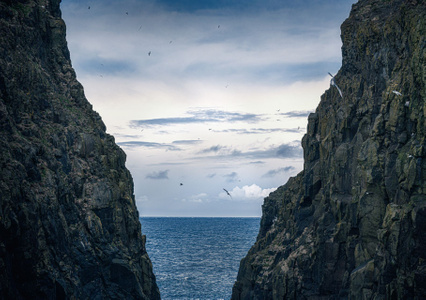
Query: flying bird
149, 53
397, 93
227, 193
181, 184
333, 83
88, 7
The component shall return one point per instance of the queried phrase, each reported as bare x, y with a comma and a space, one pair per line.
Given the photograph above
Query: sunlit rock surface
69, 226
352, 224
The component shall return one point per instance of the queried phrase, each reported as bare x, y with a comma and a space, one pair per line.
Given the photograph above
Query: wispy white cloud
212, 149
200, 116
158, 175
288, 150
231, 177
199, 198
152, 145
297, 114
259, 130
275, 172
187, 142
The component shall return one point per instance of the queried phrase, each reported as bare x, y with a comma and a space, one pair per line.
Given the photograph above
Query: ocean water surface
198, 258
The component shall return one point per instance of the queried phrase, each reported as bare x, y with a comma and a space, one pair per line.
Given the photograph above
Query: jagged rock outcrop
69, 226
352, 224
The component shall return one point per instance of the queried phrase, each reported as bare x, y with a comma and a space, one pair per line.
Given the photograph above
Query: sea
198, 258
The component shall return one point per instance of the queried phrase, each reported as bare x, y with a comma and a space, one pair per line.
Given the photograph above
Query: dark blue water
198, 258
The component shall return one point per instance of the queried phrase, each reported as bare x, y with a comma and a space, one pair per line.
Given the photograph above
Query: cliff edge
352, 224
69, 227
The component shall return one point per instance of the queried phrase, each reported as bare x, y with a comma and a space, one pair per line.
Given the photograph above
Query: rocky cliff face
352, 224
69, 227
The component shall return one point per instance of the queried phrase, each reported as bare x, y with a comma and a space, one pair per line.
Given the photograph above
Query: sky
206, 97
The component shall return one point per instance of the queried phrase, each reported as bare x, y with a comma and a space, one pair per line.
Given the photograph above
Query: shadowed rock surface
352, 224
69, 226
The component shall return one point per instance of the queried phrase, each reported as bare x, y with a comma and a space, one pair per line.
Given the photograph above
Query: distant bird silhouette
127, 13
218, 26
181, 184
88, 7
397, 93
333, 82
227, 193
149, 53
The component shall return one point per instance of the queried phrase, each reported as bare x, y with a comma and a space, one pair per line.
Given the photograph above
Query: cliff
352, 224
69, 227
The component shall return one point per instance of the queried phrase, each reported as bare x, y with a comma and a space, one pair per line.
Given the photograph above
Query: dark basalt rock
69, 227
352, 224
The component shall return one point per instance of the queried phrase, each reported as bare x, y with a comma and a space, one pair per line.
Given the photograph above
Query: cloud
141, 199
258, 130
126, 136
287, 151
232, 177
199, 198
187, 142
259, 162
290, 150
251, 193
152, 145
200, 116
275, 172
281, 151
213, 149
158, 175
297, 114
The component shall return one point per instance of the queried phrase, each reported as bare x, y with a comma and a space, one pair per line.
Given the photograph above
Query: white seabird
333, 82
397, 93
